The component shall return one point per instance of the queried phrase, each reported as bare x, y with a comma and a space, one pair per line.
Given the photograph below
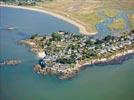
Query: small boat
11, 28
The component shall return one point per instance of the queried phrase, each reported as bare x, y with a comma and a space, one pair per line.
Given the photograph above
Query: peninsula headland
64, 54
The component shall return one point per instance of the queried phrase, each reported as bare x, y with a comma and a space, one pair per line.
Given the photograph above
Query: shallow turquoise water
110, 82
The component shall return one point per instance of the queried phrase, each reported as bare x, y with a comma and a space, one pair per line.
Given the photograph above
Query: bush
65, 61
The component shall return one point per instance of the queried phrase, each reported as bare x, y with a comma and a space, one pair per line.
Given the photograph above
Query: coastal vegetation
131, 18
66, 53
118, 24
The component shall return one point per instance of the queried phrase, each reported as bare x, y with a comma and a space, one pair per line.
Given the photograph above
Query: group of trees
78, 36
65, 60
33, 36
89, 43
26, 2
56, 36
99, 41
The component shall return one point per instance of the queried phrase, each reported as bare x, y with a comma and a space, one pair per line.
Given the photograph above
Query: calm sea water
110, 82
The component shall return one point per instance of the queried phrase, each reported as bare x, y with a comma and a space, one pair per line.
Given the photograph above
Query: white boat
11, 28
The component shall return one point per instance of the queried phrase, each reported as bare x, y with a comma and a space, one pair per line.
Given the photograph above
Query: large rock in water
49, 71
37, 68
10, 62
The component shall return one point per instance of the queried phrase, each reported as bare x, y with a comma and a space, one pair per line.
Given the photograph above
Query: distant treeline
25, 2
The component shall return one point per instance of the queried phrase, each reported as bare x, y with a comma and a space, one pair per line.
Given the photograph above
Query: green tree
56, 36
108, 38
33, 36
89, 42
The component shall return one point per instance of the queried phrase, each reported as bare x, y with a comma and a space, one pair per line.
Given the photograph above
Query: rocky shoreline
118, 60
71, 72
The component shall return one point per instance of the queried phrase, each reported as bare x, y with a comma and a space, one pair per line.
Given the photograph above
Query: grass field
118, 24
131, 18
85, 11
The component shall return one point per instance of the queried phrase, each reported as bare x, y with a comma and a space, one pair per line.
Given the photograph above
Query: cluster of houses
119, 43
79, 46
74, 47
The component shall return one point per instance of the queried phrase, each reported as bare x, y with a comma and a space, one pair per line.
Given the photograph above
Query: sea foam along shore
82, 29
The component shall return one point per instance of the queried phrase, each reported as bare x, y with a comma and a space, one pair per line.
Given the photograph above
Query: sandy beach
82, 29
41, 55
